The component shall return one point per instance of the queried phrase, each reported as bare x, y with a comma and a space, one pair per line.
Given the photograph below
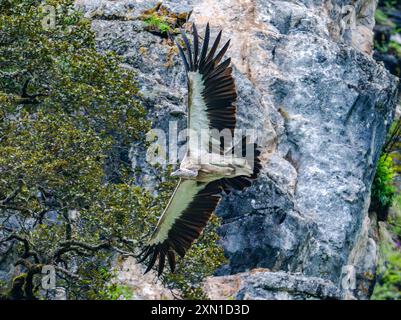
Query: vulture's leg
188, 169
217, 170
228, 166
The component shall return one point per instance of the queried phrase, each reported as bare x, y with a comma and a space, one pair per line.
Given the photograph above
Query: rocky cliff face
321, 107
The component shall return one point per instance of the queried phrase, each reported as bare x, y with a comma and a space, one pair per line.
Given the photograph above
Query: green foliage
3, 288
383, 189
58, 152
388, 286
158, 22
389, 3
383, 43
391, 47
106, 289
117, 292
394, 221
382, 18
394, 48
67, 183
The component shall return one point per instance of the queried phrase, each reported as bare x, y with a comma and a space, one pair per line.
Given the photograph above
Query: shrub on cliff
388, 285
383, 189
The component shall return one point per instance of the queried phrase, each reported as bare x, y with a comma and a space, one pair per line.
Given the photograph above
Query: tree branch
72, 245
10, 197
27, 246
68, 273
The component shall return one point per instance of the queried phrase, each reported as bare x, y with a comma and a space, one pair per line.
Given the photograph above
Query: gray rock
262, 284
286, 286
321, 107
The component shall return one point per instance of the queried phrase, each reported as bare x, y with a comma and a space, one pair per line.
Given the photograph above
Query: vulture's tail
251, 152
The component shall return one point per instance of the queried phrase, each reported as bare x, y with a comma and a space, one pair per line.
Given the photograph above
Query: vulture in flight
206, 171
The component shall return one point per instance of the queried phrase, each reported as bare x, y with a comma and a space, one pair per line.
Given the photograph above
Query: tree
67, 194
68, 115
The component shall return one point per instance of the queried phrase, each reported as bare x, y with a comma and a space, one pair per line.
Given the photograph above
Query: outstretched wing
211, 105
186, 215
188, 212
211, 88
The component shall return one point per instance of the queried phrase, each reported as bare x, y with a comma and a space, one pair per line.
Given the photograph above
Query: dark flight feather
205, 45
196, 46
182, 54
188, 47
212, 50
